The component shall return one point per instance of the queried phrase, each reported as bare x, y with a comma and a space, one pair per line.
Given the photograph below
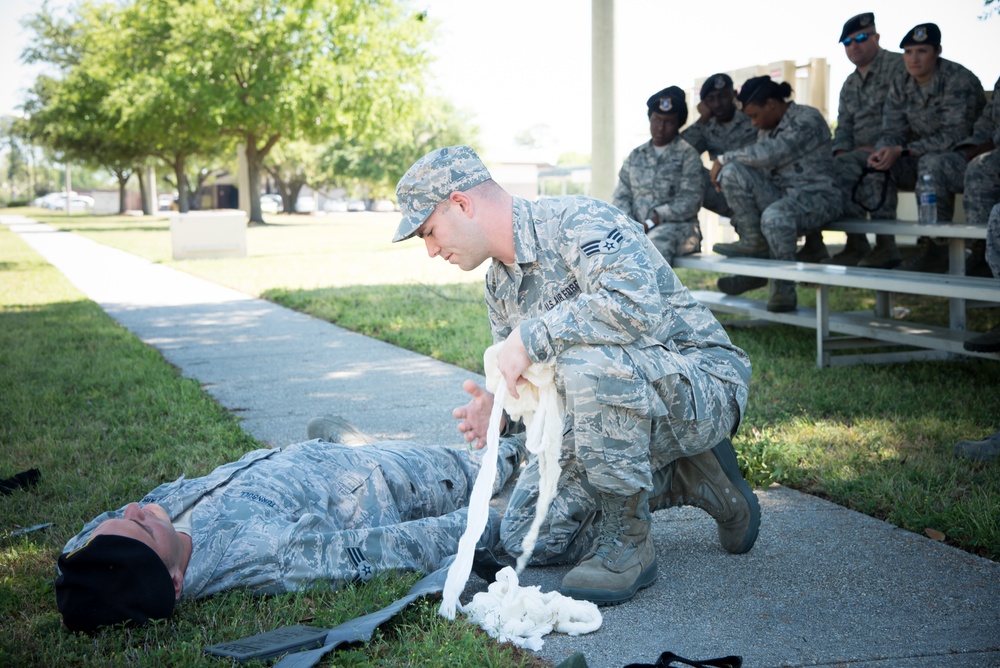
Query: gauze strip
522, 615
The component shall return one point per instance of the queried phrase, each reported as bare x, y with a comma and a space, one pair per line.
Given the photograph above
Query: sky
519, 65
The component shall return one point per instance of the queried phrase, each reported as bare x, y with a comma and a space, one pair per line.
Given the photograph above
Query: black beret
857, 23
714, 83
670, 100
113, 579
925, 33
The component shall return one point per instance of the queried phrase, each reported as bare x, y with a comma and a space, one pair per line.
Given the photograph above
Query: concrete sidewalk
824, 586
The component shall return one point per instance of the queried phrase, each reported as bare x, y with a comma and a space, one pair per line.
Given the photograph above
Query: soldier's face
920, 60
764, 116
452, 234
150, 525
663, 128
862, 53
722, 104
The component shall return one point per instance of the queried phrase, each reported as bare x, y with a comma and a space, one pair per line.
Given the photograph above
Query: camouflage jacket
278, 520
935, 117
670, 183
584, 273
987, 126
859, 113
717, 138
796, 152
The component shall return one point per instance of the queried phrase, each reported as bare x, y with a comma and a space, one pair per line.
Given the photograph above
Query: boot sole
609, 597
727, 460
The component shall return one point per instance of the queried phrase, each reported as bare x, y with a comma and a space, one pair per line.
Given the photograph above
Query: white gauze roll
542, 410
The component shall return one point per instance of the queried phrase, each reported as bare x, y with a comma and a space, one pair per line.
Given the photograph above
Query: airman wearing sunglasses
859, 120
928, 112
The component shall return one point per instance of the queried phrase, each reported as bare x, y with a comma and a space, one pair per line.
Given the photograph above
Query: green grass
874, 438
105, 418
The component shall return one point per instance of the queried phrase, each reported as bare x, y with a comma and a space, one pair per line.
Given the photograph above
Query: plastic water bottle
926, 200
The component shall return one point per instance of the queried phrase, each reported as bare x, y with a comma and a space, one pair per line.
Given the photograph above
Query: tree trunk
255, 158
123, 176
141, 173
183, 203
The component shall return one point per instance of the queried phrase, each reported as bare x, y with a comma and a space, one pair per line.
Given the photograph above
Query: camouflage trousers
781, 216
676, 239
711, 198
948, 168
993, 241
621, 429
865, 188
982, 187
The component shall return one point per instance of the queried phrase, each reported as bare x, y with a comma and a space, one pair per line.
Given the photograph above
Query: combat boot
856, 248
623, 559
335, 429
975, 264
737, 285
750, 245
782, 297
813, 250
931, 258
712, 481
988, 342
885, 255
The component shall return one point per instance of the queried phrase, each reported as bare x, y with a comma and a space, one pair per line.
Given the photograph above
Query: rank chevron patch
611, 243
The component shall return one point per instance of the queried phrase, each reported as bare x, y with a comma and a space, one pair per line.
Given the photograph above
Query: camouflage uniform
278, 520
648, 374
717, 138
783, 183
993, 241
930, 121
982, 175
859, 121
671, 185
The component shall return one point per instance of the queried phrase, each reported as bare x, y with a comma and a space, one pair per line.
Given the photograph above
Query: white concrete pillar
602, 38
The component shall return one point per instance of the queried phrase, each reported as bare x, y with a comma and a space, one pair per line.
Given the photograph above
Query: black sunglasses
859, 38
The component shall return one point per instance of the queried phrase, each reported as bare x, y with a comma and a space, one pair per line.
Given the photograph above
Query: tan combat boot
813, 250
783, 297
712, 481
623, 559
751, 244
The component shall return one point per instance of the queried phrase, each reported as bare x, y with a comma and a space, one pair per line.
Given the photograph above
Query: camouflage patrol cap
715, 82
857, 23
926, 33
431, 180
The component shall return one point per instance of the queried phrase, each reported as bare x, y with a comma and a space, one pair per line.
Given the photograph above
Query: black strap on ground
671, 660
22, 480
865, 172
361, 629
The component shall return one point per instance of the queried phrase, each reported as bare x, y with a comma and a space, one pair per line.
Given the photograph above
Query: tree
301, 69
381, 161
293, 165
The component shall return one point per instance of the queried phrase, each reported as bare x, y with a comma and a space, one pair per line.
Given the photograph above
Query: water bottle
926, 200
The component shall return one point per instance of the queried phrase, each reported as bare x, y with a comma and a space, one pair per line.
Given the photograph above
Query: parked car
383, 205
166, 202
305, 204
356, 205
335, 205
270, 203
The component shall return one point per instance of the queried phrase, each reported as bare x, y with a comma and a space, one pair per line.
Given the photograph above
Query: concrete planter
208, 234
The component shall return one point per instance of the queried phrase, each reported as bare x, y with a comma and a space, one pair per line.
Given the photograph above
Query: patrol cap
431, 180
856, 24
670, 100
925, 33
110, 580
715, 82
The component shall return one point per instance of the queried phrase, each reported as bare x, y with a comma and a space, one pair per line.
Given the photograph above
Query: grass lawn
874, 438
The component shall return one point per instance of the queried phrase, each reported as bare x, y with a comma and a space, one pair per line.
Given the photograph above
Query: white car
384, 205
305, 204
335, 206
270, 203
356, 205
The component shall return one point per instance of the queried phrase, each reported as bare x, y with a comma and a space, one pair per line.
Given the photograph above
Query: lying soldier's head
131, 570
